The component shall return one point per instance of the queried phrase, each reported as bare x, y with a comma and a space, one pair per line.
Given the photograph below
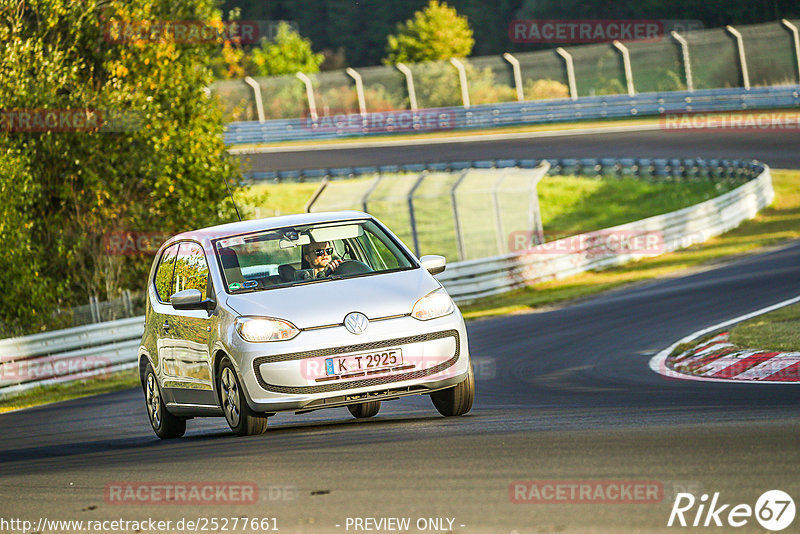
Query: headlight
258, 329
434, 304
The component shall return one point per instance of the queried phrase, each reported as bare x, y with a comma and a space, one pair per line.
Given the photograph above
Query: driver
318, 257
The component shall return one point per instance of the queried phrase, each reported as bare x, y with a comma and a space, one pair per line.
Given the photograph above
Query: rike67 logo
774, 510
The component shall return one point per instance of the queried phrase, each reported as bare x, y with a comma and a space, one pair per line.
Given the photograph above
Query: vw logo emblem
356, 322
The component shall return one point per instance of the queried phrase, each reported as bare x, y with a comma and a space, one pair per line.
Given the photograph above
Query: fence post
369, 191
462, 76
534, 212
412, 218
687, 62
573, 88
462, 255
126, 298
498, 219
412, 94
362, 106
312, 105
517, 75
257, 93
626, 63
796, 40
742, 59
316, 195
94, 308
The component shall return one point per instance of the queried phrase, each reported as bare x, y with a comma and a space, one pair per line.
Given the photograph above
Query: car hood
325, 303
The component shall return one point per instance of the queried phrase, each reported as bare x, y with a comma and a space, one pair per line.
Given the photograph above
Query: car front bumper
292, 376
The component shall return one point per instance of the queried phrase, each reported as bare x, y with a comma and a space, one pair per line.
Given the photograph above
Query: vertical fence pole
626, 63
742, 59
257, 94
362, 105
412, 94
369, 191
534, 211
411, 216
462, 255
498, 219
312, 105
517, 75
687, 61
796, 40
573, 88
462, 76
322, 185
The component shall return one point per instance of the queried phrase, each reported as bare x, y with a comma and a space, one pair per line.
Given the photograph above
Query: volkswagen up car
297, 313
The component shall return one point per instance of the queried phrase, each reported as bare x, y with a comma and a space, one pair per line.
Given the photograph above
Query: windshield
307, 254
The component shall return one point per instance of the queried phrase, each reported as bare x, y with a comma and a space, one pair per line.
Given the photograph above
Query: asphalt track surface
777, 148
561, 395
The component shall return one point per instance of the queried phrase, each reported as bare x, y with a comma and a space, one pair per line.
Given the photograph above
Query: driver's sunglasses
321, 251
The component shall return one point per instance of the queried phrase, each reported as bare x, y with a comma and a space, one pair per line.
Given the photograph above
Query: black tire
365, 409
165, 425
242, 420
456, 400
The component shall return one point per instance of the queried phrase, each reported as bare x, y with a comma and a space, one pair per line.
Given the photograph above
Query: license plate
366, 361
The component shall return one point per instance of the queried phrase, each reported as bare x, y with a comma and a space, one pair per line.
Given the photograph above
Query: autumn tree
437, 32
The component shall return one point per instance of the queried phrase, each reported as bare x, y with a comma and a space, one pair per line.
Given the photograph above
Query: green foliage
290, 53
545, 89
160, 169
435, 33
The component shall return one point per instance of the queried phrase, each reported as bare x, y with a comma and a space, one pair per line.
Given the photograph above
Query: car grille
338, 386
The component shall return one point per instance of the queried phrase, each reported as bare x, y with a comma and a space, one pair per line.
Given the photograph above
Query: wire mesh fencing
462, 215
657, 65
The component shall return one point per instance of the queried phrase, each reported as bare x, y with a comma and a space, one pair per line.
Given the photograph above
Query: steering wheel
348, 267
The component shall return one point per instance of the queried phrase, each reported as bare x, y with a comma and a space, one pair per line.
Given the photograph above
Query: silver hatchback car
297, 313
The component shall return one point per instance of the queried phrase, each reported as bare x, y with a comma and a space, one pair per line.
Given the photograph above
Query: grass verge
61, 392
776, 224
778, 330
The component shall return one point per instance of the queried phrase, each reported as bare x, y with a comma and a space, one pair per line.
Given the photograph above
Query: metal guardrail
470, 280
68, 355
512, 114
77, 353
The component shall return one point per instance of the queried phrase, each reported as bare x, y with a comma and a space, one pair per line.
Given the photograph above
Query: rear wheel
365, 409
165, 425
456, 400
242, 420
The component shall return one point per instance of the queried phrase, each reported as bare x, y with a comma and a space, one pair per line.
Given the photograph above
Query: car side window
164, 272
191, 269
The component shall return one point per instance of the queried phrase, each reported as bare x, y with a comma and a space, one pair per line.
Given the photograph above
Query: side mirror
433, 264
191, 299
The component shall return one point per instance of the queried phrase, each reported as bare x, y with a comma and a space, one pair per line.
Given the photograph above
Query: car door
190, 361
158, 319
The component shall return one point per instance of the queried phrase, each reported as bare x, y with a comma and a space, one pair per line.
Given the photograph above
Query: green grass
776, 224
60, 392
777, 330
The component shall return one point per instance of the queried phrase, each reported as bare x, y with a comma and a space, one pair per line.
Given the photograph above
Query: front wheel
456, 400
242, 420
365, 409
165, 425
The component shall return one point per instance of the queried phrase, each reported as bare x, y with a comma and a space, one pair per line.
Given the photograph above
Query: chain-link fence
461, 215
714, 62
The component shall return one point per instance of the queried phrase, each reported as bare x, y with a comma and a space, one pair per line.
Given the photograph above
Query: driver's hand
334, 264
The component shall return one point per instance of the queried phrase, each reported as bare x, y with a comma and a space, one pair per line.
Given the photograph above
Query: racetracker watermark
597, 30
67, 120
53, 368
748, 121
194, 493
193, 31
585, 492
133, 243
424, 120
599, 243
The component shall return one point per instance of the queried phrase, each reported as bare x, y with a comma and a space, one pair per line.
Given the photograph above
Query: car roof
206, 235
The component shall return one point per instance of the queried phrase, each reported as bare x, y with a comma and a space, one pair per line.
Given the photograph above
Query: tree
290, 53
151, 159
437, 32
